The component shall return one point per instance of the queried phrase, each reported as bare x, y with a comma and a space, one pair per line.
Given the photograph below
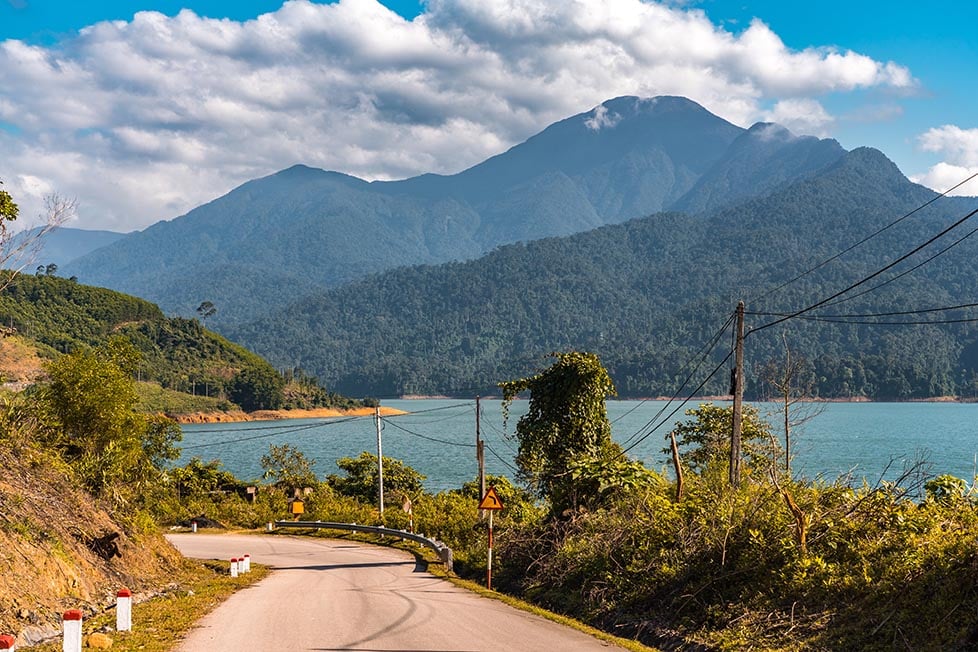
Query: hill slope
647, 294
276, 239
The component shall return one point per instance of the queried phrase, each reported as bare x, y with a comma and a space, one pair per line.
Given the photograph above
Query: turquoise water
868, 440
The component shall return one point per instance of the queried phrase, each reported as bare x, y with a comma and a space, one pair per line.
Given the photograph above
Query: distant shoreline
853, 399
275, 415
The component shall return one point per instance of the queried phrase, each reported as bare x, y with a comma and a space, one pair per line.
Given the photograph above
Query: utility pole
480, 455
738, 399
380, 465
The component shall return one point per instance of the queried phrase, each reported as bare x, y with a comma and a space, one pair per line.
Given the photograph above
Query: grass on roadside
159, 623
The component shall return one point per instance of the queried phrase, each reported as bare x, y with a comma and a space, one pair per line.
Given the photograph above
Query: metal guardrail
444, 552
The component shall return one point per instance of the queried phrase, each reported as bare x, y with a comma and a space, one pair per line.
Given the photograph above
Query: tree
257, 387
206, 309
793, 381
706, 437
90, 401
288, 468
19, 250
566, 421
400, 480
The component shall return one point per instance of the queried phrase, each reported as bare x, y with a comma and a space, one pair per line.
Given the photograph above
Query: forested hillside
63, 316
648, 294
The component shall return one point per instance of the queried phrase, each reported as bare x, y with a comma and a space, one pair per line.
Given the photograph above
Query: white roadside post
123, 610
72, 620
245, 563
234, 566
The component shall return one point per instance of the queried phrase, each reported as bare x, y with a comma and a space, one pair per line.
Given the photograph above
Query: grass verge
159, 623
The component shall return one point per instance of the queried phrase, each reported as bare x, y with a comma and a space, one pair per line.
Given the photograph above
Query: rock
98, 641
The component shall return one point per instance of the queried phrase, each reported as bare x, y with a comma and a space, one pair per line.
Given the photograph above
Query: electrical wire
419, 435
864, 240
679, 407
266, 436
963, 320
705, 350
895, 313
904, 273
498, 457
866, 279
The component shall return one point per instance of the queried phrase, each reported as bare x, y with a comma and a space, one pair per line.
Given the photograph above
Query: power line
963, 320
419, 435
864, 240
706, 350
866, 279
266, 436
679, 407
498, 457
895, 313
904, 273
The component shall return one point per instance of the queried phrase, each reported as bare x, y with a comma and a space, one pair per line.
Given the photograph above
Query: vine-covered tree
567, 422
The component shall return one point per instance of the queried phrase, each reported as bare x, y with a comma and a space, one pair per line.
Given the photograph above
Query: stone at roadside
98, 641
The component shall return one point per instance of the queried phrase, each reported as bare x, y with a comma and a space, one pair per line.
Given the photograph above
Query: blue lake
438, 438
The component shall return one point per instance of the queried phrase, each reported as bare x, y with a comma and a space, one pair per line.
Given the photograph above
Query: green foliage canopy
400, 480
704, 440
288, 468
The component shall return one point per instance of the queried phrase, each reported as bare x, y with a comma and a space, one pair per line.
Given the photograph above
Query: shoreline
277, 415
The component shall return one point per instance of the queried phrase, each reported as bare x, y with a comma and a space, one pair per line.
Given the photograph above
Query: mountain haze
274, 240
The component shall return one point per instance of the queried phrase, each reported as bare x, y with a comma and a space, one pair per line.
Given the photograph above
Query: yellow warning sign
491, 500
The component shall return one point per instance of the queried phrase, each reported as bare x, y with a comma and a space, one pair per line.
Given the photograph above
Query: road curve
339, 595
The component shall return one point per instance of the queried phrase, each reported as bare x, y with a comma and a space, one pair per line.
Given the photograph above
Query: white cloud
959, 148
600, 119
802, 116
143, 120
943, 176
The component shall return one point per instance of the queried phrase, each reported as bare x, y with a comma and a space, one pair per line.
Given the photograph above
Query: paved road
339, 595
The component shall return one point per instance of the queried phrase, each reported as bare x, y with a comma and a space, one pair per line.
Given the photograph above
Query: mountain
273, 240
63, 245
647, 294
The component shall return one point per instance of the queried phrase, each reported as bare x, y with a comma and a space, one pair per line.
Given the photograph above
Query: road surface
340, 595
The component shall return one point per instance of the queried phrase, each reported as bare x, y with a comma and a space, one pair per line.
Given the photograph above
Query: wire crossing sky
145, 109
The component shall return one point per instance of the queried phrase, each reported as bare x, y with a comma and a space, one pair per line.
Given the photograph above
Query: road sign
491, 500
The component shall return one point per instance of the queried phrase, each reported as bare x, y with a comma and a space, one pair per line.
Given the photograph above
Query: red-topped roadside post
123, 610
72, 621
7, 642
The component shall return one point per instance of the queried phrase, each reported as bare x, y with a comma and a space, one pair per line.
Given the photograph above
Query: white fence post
72, 620
123, 611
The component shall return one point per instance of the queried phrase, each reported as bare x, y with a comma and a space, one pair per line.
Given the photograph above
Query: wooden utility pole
480, 454
738, 399
380, 465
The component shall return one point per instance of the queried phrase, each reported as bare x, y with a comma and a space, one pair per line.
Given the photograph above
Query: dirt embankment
61, 549
272, 415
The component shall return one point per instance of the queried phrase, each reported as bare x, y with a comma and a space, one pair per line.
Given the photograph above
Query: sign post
491, 503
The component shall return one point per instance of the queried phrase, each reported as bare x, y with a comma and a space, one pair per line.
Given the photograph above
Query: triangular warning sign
491, 500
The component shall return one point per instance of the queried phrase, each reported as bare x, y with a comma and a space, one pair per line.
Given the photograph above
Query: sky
141, 110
